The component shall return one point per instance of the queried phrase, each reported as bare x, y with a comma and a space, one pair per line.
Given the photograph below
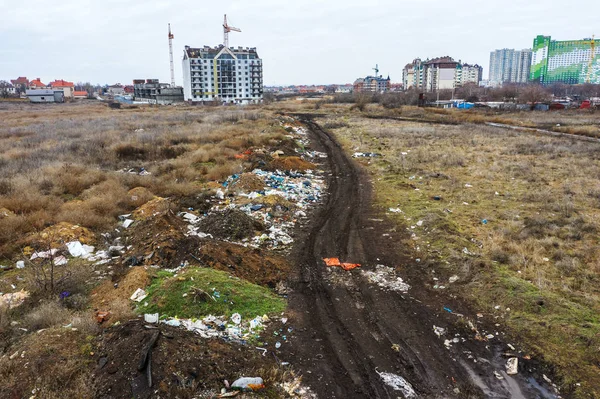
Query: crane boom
226, 30
171, 37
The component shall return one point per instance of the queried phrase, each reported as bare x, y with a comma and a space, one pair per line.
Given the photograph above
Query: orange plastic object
240, 156
332, 261
349, 266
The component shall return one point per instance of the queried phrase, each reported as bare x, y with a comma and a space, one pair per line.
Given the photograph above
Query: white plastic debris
220, 194
453, 279
44, 254
498, 375
395, 210
151, 318
385, 277
245, 383
127, 223
468, 185
20, 264
420, 223
397, 383
139, 295
78, 250
277, 345
190, 217
439, 331
236, 318
512, 366
60, 261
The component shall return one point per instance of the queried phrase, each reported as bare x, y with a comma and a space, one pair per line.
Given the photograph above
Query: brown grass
539, 244
72, 162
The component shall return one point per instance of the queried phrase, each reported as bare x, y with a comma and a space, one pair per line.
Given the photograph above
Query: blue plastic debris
484, 221
447, 309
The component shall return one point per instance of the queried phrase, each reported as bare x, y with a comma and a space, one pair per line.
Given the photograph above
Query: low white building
45, 96
223, 74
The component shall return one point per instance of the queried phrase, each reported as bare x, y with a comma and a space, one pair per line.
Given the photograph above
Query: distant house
67, 87
116, 90
45, 96
80, 94
6, 89
128, 89
21, 84
36, 84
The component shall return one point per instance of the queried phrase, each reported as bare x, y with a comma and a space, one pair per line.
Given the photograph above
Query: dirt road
355, 340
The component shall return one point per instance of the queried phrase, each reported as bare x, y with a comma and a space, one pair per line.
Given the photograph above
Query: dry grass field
514, 215
76, 163
67, 172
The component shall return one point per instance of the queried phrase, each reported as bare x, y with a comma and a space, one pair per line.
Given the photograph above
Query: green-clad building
570, 61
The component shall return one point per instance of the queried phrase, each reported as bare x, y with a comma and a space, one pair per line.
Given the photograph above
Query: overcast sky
300, 42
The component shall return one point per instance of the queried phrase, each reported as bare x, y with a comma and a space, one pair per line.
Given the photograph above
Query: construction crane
171, 37
591, 61
226, 30
376, 69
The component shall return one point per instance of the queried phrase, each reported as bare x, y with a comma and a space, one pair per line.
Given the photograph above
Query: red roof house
67, 87
80, 94
21, 80
36, 84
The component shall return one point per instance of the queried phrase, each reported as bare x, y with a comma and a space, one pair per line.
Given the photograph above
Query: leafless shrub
48, 314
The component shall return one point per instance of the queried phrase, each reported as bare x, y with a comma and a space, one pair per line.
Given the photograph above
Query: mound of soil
182, 365
105, 294
151, 208
290, 163
248, 182
139, 196
230, 224
59, 234
160, 240
250, 264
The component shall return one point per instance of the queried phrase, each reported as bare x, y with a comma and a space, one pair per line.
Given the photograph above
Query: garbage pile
386, 278
232, 329
275, 209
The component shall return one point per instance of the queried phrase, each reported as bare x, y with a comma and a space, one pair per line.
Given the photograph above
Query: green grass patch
183, 295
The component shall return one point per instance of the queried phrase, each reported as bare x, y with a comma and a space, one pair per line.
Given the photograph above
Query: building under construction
570, 62
222, 74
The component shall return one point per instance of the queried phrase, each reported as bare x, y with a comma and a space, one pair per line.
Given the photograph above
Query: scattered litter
365, 155
264, 351
102, 316
139, 295
420, 223
498, 375
468, 185
127, 223
248, 384
395, 210
439, 331
236, 318
60, 261
335, 262
14, 299
20, 264
398, 384
277, 345
447, 309
385, 277
453, 279
79, 250
151, 318
396, 348
512, 366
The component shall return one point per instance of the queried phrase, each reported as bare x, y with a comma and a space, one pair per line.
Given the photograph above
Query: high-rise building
228, 75
509, 66
413, 75
467, 73
570, 61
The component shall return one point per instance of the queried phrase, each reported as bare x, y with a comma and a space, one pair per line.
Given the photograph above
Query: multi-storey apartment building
441, 73
509, 66
223, 74
372, 84
570, 61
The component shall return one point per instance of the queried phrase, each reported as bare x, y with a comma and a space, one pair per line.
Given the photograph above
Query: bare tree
533, 94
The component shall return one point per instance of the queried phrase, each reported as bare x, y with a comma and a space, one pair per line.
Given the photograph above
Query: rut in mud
355, 340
